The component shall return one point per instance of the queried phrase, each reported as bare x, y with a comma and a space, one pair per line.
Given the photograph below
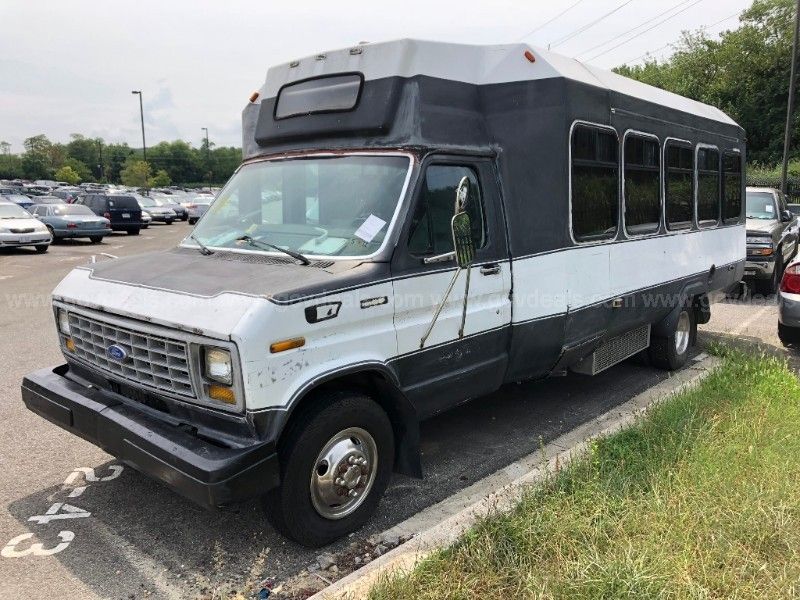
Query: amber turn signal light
222, 393
285, 345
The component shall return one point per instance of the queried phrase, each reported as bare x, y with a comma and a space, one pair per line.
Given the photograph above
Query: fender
382, 383
667, 325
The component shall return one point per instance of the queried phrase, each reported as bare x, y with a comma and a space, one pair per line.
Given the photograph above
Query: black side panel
535, 347
421, 378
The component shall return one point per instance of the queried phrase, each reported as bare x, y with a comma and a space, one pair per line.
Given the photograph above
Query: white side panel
549, 284
416, 300
355, 335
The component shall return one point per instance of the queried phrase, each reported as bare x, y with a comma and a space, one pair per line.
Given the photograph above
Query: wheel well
383, 390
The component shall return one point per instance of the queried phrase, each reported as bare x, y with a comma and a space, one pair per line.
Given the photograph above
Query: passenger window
708, 187
642, 185
731, 187
595, 184
430, 227
679, 186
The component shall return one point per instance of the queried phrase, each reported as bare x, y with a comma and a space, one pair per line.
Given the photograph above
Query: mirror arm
447, 256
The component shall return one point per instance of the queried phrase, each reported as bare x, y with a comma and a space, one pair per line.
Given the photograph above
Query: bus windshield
330, 206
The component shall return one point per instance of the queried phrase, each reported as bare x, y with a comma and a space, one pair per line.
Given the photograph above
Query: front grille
153, 361
23, 230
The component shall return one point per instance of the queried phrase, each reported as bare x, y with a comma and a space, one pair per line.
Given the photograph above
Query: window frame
707, 224
665, 167
615, 237
443, 162
661, 215
742, 184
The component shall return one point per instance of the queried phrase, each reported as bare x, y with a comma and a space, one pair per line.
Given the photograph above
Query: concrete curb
440, 525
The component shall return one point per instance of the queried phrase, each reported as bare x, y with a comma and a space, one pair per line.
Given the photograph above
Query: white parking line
750, 320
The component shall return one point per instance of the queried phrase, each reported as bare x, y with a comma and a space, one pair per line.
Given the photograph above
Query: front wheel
192, 221
336, 461
42, 248
671, 352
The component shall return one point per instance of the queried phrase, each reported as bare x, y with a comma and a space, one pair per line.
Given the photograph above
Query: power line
589, 25
661, 14
546, 23
661, 22
703, 28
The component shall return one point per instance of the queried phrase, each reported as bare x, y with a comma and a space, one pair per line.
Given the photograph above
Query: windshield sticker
370, 228
769, 208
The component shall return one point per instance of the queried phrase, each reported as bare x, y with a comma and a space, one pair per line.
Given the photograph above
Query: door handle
492, 269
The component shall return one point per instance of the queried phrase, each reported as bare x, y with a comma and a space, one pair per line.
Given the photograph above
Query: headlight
63, 322
758, 241
218, 365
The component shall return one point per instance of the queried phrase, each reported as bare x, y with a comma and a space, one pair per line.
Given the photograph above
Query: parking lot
132, 538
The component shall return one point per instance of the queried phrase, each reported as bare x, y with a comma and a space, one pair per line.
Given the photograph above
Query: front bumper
206, 473
759, 268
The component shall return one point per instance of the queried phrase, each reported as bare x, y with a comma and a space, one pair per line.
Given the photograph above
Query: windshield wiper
203, 250
258, 243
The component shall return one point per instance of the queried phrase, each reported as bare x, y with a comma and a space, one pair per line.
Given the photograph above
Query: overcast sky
69, 66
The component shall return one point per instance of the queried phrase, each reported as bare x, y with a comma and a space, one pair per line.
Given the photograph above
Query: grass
701, 499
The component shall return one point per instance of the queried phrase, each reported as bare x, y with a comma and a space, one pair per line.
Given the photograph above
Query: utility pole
100, 159
787, 136
141, 115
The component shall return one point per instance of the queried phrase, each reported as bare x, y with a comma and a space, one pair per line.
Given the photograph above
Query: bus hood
206, 295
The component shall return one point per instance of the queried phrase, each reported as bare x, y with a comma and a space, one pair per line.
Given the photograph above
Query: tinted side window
595, 183
731, 187
679, 186
642, 185
430, 227
708, 186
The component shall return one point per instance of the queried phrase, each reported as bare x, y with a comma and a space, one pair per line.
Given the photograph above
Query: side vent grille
614, 351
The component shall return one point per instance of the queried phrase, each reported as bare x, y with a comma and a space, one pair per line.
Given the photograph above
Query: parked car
19, 228
123, 211
146, 219
789, 305
771, 238
197, 207
19, 200
167, 201
46, 200
72, 221
68, 195
157, 212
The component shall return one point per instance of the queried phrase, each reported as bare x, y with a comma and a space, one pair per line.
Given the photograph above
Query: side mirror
462, 239
787, 216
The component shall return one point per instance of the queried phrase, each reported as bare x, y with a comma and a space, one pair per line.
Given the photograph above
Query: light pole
141, 115
208, 153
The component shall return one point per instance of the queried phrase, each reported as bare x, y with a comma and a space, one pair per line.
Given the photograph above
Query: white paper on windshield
768, 207
370, 228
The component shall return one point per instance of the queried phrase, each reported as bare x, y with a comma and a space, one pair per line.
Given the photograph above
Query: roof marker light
294, 63
529, 55
254, 96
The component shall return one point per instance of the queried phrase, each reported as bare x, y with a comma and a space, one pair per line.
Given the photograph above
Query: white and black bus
414, 224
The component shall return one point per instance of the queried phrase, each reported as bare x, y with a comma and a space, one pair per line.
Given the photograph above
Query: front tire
192, 221
671, 352
336, 461
41, 249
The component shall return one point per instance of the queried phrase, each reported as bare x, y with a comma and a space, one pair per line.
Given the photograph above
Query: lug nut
339, 481
352, 493
352, 460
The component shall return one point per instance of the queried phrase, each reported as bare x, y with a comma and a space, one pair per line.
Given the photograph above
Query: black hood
187, 271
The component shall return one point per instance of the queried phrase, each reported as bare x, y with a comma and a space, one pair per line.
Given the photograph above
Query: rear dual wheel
336, 461
672, 351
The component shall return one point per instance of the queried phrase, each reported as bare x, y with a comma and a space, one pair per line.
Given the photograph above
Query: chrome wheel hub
682, 332
343, 473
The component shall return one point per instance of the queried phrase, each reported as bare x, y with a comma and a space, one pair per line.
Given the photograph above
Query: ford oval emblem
117, 353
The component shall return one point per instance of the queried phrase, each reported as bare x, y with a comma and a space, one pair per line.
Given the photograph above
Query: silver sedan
789, 305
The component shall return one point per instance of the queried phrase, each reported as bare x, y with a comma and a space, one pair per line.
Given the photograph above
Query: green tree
68, 174
136, 174
160, 179
83, 171
37, 160
11, 167
745, 73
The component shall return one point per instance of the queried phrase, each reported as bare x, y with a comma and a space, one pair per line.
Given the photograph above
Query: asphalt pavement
108, 532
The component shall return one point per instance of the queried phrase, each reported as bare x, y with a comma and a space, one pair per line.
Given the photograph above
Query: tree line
91, 159
745, 73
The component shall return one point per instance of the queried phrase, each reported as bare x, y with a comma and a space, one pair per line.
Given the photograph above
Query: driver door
449, 368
